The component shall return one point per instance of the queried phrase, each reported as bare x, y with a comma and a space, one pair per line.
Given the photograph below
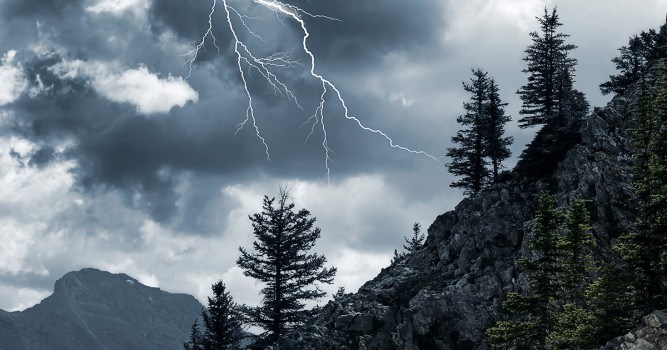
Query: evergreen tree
222, 321
196, 339
468, 158
534, 312
612, 304
573, 325
634, 58
630, 64
281, 261
549, 99
574, 245
415, 243
495, 143
573, 329
550, 72
645, 248
397, 257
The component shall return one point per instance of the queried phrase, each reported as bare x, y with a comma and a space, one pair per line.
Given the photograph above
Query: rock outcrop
92, 309
651, 335
447, 294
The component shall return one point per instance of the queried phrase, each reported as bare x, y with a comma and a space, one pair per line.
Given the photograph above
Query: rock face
447, 294
651, 335
92, 309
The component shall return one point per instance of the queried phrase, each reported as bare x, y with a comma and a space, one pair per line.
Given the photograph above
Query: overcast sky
111, 158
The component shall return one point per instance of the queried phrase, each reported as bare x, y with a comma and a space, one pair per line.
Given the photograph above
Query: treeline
572, 301
550, 101
280, 259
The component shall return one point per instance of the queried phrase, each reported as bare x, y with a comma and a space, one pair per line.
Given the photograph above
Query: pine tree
573, 325
468, 158
574, 245
196, 339
415, 243
645, 248
612, 304
534, 312
281, 261
631, 64
495, 143
550, 72
222, 321
573, 329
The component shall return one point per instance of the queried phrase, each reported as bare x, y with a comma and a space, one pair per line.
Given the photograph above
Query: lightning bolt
263, 65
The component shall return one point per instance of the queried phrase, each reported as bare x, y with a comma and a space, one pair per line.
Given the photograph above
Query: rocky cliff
445, 295
92, 309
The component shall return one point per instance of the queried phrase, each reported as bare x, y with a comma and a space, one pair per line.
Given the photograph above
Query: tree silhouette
281, 261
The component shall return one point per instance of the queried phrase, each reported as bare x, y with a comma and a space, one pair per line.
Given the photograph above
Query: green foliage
533, 314
281, 261
553, 314
645, 248
573, 329
611, 301
513, 335
543, 270
574, 244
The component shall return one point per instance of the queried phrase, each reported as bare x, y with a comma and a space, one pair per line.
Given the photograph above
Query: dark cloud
43, 157
117, 148
364, 30
370, 28
39, 8
187, 19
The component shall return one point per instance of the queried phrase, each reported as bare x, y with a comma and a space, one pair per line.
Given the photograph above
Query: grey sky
110, 159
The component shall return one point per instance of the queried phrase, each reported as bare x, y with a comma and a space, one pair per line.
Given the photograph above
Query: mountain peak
92, 278
94, 309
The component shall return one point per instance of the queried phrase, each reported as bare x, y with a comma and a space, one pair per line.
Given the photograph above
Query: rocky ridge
447, 294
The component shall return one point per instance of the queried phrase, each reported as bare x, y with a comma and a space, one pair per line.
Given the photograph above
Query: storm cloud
116, 155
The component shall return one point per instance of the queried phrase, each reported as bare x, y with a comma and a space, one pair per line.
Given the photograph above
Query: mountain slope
446, 295
92, 309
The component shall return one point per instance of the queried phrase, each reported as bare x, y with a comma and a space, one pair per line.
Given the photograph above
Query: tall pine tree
468, 158
550, 71
281, 261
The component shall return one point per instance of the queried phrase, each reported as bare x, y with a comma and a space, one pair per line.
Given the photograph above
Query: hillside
445, 295
92, 309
